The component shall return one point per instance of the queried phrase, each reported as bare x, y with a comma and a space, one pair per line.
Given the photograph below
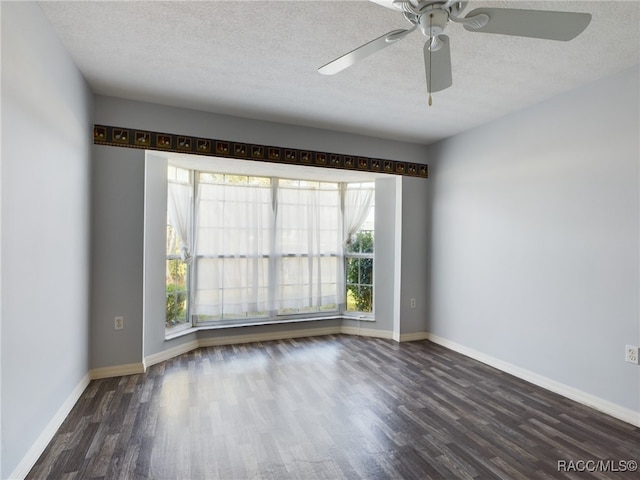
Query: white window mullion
274, 260
193, 285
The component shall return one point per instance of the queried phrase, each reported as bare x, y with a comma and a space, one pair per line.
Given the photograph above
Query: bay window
245, 249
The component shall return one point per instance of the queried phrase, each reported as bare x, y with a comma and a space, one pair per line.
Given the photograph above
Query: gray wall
119, 219
535, 254
126, 113
155, 224
384, 260
416, 237
46, 135
118, 253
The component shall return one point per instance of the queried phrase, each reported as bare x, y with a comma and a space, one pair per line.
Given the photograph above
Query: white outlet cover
632, 354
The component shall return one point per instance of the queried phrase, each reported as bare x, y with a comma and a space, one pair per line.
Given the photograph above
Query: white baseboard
26, 464
366, 332
597, 403
234, 339
265, 337
30, 459
136, 368
170, 353
116, 371
414, 337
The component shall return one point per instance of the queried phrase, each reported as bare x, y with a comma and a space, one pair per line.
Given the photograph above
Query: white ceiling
258, 59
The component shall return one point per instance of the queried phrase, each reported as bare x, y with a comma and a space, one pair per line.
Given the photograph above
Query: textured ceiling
259, 59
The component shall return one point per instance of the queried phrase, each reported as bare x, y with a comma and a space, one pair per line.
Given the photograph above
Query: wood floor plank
333, 407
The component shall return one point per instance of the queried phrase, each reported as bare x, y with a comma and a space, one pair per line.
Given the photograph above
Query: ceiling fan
432, 17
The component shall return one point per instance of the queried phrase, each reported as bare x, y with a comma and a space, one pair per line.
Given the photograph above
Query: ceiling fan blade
388, 4
438, 67
544, 24
363, 51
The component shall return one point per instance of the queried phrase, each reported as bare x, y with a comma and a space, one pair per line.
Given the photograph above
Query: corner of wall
47, 434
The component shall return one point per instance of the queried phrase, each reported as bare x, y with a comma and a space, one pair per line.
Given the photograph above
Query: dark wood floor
330, 408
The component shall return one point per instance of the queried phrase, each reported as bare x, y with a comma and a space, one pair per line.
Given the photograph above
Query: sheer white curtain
179, 204
234, 226
308, 252
356, 203
272, 248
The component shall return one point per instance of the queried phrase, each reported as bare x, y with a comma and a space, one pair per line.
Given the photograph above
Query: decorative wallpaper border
169, 142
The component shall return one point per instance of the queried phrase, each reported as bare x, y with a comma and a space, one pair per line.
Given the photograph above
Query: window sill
198, 328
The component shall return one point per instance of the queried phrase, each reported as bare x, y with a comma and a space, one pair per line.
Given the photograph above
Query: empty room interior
320, 239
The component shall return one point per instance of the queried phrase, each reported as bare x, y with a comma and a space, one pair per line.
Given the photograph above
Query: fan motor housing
433, 21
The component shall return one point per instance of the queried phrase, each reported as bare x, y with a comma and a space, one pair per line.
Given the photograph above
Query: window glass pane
206, 177
176, 293
366, 271
233, 240
260, 181
364, 303
178, 175
287, 182
307, 184
359, 262
177, 272
182, 175
362, 242
308, 243
173, 242
365, 240
236, 179
353, 271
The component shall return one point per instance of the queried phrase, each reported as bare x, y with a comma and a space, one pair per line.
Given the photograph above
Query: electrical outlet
413, 303
118, 323
631, 354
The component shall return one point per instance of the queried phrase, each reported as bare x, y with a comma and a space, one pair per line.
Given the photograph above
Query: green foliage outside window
176, 291
176, 305
360, 274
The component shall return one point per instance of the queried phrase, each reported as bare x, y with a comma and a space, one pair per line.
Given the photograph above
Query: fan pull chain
430, 45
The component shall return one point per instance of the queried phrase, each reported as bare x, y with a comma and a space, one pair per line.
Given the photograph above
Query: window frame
361, 255
188, 323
